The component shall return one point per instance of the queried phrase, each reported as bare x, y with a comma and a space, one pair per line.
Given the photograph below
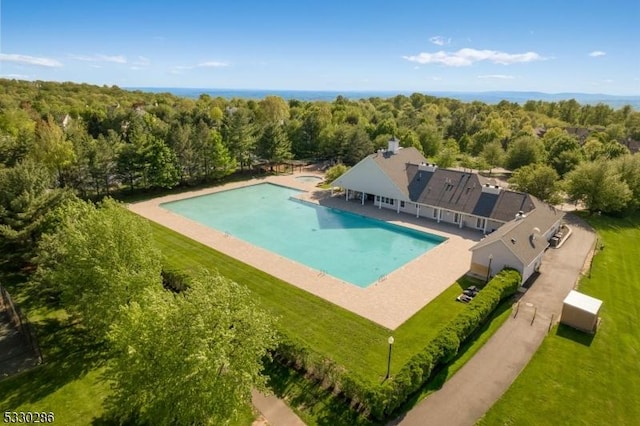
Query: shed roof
583, 302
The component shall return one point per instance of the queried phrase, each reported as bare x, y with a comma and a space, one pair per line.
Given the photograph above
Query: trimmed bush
378, 401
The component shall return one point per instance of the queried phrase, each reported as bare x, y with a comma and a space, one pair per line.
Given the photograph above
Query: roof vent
491, 189
513, 240
520, 215
426, 167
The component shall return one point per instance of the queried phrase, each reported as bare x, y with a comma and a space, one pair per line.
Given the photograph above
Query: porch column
380, 202
346, 197
484, 230
362, 198
439, 214
417, 210
460, 224
398, 208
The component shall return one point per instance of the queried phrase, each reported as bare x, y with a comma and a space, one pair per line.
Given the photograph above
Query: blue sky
447, 45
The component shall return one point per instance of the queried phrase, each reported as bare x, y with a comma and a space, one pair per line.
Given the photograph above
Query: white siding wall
367, 177
502, 258
530, 269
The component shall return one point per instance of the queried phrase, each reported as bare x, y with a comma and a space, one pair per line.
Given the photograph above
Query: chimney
394, 145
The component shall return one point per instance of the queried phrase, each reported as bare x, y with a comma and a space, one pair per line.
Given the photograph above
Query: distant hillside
613, 101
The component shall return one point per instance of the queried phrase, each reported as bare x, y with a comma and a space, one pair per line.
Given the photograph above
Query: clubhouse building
518, 226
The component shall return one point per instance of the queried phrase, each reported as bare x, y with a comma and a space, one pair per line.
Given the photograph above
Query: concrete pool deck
389, 302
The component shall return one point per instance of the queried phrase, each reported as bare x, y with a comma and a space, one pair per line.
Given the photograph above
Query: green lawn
579, 379
353, 342
70, 382
71, 385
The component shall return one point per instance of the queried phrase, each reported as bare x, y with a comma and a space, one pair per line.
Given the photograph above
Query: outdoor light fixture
390, 340
489, 271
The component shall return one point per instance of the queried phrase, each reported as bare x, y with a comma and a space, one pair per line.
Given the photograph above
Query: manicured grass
576, 378
69, 383
353, 342
317, 406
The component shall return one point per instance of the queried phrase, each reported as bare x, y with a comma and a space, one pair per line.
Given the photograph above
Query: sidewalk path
274, 410
481, 382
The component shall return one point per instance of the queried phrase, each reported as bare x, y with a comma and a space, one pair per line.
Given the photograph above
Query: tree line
61, 142
96, 139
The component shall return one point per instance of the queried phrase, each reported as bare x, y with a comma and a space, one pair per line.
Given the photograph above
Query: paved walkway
481, 382
274, 410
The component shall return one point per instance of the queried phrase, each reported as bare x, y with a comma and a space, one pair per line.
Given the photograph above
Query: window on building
456, 218
402, 204
435, 213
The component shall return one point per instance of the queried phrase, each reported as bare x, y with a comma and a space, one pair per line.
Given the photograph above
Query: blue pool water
350, 247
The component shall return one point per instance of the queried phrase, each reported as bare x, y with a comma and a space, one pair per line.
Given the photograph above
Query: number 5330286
27, 417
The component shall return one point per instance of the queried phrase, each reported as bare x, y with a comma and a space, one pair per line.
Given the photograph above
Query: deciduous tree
191, 358
599, 186
540, 180
99, 258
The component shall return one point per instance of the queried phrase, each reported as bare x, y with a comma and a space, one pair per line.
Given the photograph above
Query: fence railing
20, 322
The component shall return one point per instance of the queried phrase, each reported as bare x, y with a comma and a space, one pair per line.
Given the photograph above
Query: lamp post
489, 271
390, 340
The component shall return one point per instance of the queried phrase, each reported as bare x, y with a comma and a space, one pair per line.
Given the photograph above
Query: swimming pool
350, 247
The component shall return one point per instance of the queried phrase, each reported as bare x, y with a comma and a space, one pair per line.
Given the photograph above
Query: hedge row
380, 401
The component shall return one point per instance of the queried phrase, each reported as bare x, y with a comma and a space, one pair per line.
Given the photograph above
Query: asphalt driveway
482, 381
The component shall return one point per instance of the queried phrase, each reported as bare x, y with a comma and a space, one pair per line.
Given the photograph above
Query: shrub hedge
378, 401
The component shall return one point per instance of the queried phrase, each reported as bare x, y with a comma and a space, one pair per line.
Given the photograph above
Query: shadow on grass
444, 373
127, 196
324, 407
67, 357
576, 335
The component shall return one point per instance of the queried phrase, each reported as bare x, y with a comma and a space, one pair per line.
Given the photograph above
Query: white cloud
142, 61
465, 57
208, 64
213, 64
29, 60
597, 53
497, 76
118, 59
439, 40
16, 76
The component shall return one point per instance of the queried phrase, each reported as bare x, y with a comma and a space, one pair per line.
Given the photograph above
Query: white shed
580, 311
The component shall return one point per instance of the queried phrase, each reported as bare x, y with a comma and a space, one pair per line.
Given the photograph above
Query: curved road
481, 382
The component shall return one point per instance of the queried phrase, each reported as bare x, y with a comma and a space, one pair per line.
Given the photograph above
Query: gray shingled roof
449, 189
517, 235
395, 165
509, 203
